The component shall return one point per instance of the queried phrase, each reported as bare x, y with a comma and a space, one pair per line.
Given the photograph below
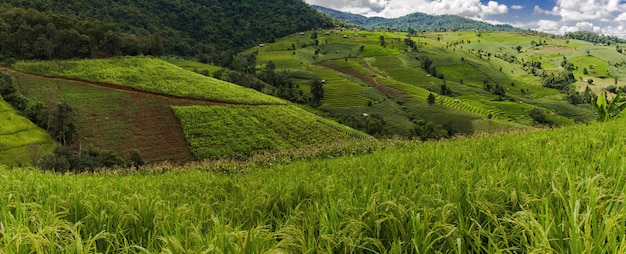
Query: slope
538, 191
21, 141
136, 112
149, 75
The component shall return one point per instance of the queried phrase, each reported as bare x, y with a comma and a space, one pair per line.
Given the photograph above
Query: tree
135, 159
431, 99
382, 41
317, 90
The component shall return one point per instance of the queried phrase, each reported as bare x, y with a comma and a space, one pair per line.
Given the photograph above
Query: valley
267, 127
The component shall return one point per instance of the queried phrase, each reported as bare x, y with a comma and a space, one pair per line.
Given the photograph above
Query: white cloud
398, 8
602, 16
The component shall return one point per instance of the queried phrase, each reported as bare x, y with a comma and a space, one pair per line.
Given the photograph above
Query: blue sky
553, 16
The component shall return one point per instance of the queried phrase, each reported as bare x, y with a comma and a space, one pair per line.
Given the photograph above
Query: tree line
31, 34
191, 27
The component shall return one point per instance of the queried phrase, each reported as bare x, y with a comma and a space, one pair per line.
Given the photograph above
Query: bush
538, 115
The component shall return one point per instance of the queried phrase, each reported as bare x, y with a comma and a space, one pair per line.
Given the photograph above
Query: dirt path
391, 92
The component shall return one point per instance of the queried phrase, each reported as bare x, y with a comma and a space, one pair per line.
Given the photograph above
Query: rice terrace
281, 127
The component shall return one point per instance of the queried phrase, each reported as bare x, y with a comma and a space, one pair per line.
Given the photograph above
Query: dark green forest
183, 27
417, 21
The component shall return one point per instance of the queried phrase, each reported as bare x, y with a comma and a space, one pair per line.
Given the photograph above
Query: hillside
21, 141
149, 105
380, 82
417, 21
556, 191
190, 27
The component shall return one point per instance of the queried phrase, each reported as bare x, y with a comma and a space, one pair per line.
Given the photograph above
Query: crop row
148, 74
240, 131
339, 91
422, 94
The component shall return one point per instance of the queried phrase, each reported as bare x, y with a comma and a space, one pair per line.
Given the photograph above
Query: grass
239, 132
151, 75
522, 192
21, 141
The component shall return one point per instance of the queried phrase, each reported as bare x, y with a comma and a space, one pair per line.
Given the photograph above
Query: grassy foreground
546, 191
151, 75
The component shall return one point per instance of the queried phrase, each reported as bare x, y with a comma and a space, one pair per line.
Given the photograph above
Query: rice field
541, 191
21, 141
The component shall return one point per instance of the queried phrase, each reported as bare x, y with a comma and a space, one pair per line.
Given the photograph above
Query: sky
552, 16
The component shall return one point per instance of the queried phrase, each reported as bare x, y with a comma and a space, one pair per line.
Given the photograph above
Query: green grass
192, 65
238, 132
548, 191
148, 74
21, 141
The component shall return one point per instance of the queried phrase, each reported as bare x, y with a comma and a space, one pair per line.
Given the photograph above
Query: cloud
602, 16
398, 8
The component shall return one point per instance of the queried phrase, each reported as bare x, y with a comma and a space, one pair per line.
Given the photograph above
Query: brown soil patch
389, 91
153, 129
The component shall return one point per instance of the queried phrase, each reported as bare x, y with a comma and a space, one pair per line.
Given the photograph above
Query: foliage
239, 132
317, 90
64, 159
594, 37
148, 74
30, 34
190, 27
431, 99
606, 110
408, 197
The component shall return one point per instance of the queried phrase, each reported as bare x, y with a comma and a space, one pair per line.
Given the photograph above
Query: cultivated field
217, 132
547, 191
149, 75
21, 141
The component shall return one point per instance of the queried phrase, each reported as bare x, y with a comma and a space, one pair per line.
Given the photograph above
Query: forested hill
188, 27
417, 21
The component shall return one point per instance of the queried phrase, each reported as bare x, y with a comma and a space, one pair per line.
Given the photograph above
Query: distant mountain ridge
417, 21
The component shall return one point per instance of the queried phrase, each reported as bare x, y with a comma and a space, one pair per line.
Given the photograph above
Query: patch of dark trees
594, 38
30, 34
57, 118
190, 27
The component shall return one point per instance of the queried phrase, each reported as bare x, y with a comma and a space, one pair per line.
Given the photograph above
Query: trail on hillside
389, 91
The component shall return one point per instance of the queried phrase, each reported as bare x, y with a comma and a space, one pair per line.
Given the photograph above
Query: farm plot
18, 135
420, 93
240, 131
151, 75
339, 92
